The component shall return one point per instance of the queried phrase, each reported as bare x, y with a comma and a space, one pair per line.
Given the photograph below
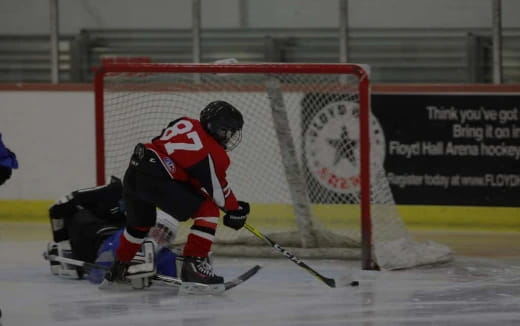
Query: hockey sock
130, 242
202, 232
201, 237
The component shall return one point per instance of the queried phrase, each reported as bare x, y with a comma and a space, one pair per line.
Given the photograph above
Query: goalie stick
329, 281
184, 287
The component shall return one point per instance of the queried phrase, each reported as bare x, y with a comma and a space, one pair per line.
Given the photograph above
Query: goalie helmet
223, 122
165, 229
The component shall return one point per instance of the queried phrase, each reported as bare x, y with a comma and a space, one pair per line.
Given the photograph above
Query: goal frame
363, 87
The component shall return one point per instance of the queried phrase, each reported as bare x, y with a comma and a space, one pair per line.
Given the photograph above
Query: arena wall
51, 129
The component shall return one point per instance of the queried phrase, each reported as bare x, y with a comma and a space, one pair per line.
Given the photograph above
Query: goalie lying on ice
87, 225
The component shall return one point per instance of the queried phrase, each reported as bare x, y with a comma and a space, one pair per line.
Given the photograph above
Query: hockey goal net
310, 161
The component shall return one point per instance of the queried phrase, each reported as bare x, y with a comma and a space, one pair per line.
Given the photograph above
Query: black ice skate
199, 270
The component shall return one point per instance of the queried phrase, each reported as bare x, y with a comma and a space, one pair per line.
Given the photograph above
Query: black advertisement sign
452, 149
444, 149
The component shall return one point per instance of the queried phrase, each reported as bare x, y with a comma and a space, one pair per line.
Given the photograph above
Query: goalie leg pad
52, 249
178, 266
63, 249
143, 266
59, 214
140, 271
140, 283
143, 263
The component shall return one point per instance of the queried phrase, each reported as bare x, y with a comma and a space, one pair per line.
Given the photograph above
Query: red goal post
129, 95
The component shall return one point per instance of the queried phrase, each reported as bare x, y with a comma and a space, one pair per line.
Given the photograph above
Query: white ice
469, 291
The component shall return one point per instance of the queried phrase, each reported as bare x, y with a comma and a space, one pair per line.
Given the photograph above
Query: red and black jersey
190, 154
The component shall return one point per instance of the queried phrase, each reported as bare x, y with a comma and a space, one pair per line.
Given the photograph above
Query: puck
354, 283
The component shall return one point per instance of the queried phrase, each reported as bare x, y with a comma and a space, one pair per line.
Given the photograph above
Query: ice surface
469, 291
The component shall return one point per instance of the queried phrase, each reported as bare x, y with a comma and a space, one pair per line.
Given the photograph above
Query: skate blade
188, 288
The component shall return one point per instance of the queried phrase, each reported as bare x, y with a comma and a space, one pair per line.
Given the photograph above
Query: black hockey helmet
223, 122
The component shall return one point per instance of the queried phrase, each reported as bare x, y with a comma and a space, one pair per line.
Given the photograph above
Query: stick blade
330, 282
242, 278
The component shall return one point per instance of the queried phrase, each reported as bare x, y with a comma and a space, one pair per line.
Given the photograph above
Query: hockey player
87, 225
8, 162
183, 172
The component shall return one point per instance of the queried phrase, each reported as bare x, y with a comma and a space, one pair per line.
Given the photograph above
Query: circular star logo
331, 144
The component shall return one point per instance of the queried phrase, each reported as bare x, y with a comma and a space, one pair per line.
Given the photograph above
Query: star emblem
344, 147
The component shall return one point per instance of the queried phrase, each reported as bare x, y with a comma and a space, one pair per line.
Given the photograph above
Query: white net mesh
321, 122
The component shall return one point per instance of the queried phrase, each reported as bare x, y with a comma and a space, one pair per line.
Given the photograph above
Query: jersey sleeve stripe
227, 191
218, 194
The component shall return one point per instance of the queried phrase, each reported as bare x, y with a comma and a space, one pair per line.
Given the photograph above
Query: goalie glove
237, 218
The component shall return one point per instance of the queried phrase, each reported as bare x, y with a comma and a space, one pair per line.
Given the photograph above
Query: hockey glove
237, 218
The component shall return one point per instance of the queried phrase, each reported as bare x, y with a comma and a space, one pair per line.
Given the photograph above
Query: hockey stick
229, 284
91, 266
329, 281
74, 262
168, 280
